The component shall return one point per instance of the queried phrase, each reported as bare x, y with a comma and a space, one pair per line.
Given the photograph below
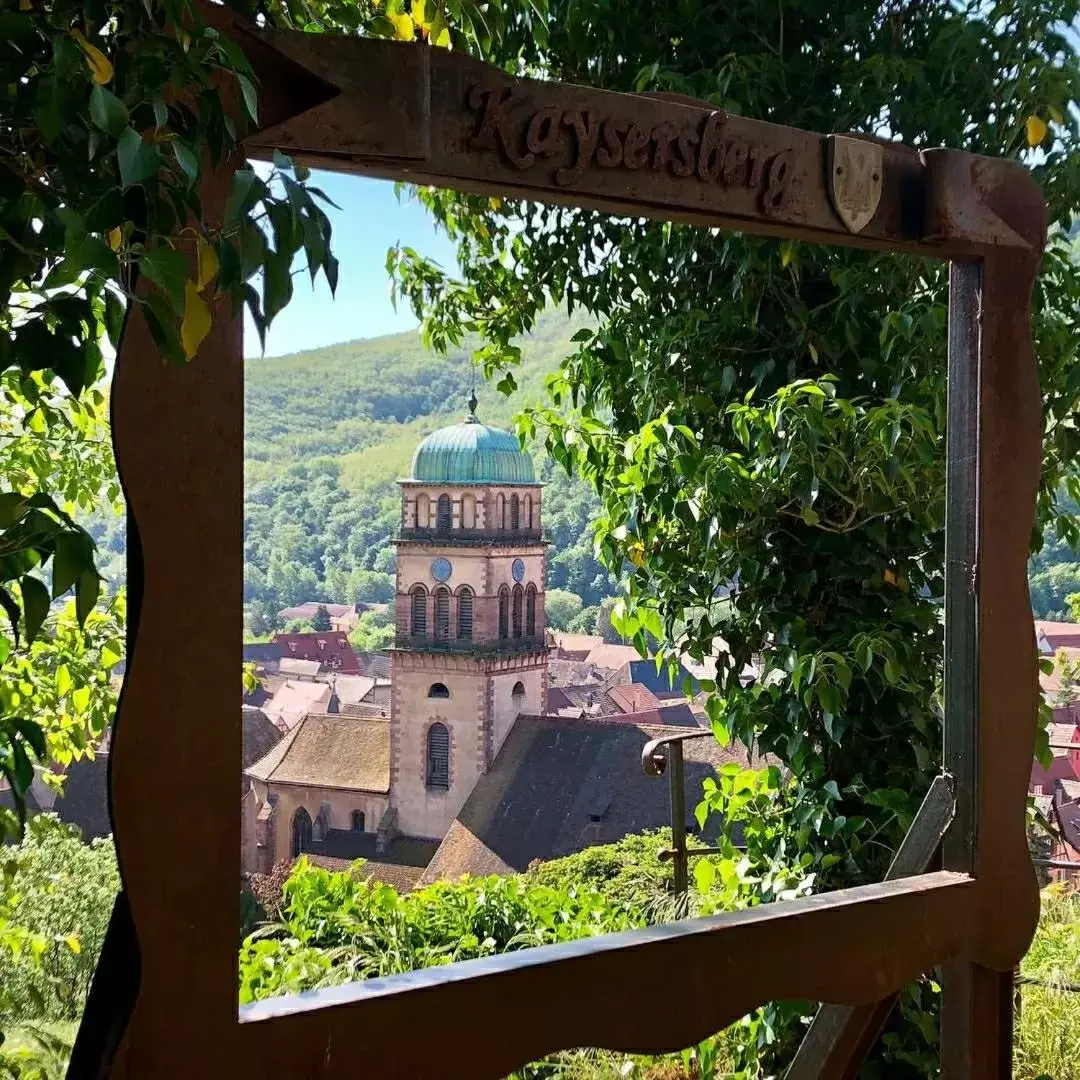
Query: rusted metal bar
656, 760
676, 780
1057, 864
840, 1036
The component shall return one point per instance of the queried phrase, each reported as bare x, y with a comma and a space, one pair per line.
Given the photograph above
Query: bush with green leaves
55, 903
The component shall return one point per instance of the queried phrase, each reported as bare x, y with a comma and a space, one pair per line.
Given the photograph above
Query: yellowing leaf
100, 66
890, 576
25, 5
423, 11
1055, 115
196, 322
404, 27
787, 253
637, 553
208, 264
73, 943
115, 236
1036, 130
495, 202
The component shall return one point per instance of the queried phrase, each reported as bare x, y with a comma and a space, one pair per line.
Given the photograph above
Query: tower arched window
515, 513
442, 613
468, 511
519, 596
301, 832
500, 511
438, 757
423, 511
418, 627
444, 519
530, 611
504, 612
528, 515
438, 690
517, 694
358, 820
465, 613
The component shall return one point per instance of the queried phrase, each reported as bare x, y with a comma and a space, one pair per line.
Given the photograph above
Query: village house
343, 617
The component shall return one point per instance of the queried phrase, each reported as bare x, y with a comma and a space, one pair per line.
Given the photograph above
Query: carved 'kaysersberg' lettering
700, 151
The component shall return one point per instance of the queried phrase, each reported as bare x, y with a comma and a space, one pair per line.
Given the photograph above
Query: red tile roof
331, 649
633, 698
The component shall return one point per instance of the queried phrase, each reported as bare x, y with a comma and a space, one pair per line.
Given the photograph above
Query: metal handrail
471, 536
655, 762
423, 643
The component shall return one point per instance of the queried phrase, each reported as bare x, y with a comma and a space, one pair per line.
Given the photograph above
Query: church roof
471, 453
559, 785
330, 751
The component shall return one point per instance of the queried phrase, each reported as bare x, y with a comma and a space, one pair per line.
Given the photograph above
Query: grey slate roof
560, 785
331, 751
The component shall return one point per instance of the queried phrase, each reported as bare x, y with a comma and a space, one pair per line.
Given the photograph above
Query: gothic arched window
419, 611
530, 611
423, 511
438, 757
500, 511
515, 513
444, 519
468, 511
518, 597
504, 612
517, 695
528, 512
442, 613
301, 832
465, 613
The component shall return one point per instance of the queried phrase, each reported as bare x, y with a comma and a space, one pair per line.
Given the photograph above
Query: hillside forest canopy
331, 430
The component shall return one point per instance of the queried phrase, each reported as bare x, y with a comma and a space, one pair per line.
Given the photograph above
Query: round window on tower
441, 569
517, 569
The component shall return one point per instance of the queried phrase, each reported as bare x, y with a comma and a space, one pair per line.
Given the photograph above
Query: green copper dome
472, 453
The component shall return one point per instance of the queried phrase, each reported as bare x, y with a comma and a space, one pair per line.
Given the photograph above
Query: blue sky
370, 220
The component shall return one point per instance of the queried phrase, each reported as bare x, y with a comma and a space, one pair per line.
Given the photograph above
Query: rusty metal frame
432, 117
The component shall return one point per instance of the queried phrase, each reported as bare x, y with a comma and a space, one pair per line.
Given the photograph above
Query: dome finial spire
472, 403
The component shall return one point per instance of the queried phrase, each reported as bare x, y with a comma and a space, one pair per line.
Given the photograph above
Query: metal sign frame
428, 116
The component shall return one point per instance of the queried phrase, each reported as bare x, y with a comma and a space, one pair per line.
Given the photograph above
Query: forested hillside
329, 432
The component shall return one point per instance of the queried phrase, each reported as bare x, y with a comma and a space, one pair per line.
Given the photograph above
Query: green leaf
115, 310
241, 190
186, 159
168, 269
251, 98
72, 555
32, 733
107, 111
87, 589
139, 160
277, 285
36, 602
112, 652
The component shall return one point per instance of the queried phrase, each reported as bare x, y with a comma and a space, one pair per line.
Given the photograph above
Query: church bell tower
470, 652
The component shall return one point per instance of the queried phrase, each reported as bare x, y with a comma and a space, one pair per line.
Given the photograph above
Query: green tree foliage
373, 631
1054, 573
560, 606
55, 905
321, 619
770, 413
331, 431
